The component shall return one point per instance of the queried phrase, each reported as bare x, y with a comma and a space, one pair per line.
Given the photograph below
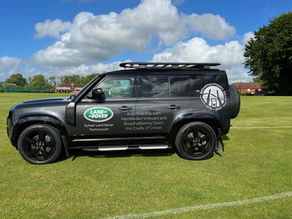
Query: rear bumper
224, 130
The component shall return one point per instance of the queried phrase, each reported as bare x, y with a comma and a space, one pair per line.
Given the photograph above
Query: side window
154, 86
117, 87
179, 86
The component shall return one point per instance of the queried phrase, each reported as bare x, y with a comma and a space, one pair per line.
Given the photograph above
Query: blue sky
57, 37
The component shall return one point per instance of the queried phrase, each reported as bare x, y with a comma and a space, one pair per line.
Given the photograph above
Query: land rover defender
145, 106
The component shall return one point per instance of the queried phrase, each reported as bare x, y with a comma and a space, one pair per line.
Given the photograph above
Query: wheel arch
29, 120
212, 119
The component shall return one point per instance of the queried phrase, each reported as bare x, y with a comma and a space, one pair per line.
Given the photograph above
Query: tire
196, 141
40, 144
234, 101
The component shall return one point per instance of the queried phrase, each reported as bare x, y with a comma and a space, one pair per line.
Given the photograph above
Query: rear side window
155, 86
179, 86
165, 86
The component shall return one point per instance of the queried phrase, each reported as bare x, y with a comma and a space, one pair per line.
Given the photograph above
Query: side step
124, 148
153, 147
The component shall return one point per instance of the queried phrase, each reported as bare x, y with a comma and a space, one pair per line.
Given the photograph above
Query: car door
162, 98
107, 119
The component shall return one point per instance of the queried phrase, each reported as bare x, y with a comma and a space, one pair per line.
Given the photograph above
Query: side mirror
98, 95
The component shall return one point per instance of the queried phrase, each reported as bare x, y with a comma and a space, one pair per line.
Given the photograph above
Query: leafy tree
71, 79
268, 55
40, 81
16, 79
88, 78
52, 81
76, 79
29, 79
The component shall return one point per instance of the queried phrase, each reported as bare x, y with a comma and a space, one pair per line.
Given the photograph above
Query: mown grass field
257, 162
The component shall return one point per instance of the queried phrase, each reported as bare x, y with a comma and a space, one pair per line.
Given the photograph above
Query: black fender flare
21, 123
211, 118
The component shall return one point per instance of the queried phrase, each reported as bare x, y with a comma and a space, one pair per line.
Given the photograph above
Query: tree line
268, 55
49, 84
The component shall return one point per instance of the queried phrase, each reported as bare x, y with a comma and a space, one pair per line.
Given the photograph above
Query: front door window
117, 87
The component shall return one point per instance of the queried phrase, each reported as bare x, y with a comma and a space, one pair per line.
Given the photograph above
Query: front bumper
10, 128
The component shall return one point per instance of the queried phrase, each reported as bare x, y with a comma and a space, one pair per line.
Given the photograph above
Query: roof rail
168, 65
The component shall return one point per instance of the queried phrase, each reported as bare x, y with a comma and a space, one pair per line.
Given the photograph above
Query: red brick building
252, 88
68, 88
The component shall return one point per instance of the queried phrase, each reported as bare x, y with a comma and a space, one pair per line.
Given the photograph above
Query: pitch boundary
203, 207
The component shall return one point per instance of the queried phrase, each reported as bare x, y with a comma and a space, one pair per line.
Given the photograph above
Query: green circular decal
98, 114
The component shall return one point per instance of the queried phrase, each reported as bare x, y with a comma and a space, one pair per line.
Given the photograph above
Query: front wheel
40, 144
195, 141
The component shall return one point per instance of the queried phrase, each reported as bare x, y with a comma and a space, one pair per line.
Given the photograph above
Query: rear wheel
40, 144
196, 141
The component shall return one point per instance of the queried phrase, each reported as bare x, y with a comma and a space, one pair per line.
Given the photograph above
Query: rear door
162, 98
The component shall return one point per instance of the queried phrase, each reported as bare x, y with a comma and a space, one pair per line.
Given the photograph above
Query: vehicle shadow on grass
225, 138
131, 153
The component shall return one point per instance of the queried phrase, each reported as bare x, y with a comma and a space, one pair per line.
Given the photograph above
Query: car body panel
131, 121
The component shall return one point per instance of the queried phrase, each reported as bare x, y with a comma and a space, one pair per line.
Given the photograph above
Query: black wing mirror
98, 95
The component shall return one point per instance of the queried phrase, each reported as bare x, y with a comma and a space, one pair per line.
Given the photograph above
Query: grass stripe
204, 207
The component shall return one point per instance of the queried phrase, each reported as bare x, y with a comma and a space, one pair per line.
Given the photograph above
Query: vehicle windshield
86, 86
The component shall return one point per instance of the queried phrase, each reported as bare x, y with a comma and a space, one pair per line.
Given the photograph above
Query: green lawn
256, 163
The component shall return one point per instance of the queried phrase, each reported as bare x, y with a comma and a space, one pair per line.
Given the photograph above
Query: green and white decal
98, 114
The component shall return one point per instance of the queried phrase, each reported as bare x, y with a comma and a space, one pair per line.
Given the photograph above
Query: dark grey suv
146, 106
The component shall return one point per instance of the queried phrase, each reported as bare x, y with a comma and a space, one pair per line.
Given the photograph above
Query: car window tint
179, 86
154, 86
117, 87
196, 84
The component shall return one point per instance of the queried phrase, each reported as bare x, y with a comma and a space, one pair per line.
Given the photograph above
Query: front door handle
173, 107
124, 108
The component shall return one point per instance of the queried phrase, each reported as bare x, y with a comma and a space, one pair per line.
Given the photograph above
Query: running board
153, 147
113, 148
124, 148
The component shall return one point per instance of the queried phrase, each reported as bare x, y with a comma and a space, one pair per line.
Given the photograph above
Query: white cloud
198, 50
230, 55
9, 64
81, 69
212, 26
51, 28
92, 38
247, 36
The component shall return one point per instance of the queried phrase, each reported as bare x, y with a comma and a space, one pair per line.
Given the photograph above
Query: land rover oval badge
98, 114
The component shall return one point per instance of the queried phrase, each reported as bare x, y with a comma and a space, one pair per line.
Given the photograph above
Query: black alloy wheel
40, 144
196, 141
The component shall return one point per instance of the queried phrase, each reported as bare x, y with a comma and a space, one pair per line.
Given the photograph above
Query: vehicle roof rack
167, 65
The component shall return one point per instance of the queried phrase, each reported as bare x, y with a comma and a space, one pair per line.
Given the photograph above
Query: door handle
123, 108
173, 107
